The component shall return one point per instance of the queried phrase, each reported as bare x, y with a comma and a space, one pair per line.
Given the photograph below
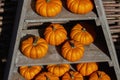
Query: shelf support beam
108, 37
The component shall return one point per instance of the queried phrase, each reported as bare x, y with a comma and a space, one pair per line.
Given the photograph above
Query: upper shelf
65, 15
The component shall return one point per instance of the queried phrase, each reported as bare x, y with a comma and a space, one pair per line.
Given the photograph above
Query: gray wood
108, 37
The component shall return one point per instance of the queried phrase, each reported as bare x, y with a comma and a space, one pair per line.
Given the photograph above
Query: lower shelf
92, 54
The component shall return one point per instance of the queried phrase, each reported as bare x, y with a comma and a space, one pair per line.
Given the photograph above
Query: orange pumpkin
80, 6
34, 47
46, 76
87, 68
72, 50
55, 34
80, 34
72, 75
29, 72
58, 69
99, 75
48, 8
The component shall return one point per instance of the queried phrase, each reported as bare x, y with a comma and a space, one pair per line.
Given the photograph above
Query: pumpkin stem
67, 38
72, 76
99, 75
29, 66
35, 41
47, 77
58, 65
72, 44
47, 0
53, 28
83, 29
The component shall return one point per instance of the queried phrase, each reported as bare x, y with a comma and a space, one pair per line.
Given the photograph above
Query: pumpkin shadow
59, 49
64, 4
41, 29
32, 5
33, 2
100, 41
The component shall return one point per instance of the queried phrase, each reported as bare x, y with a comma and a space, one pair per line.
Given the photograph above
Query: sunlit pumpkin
29, 72
99, 75
80, 6
48, 8
87, 68
72, 50
58, 69
55, 34
34, 47
46, 76
79, 33
72, 75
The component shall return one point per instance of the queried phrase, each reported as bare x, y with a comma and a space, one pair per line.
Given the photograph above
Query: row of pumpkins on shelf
51, 8
55, 34
64, 72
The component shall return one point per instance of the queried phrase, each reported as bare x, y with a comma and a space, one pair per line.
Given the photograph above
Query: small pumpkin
72, 50
55, 34
29, 72
34, 47
99, 75
46, 76
87, 68
80, 34
72, 75
58, 69
48, 8
80, 6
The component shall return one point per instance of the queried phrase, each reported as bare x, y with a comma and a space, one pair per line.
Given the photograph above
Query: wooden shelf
16, 76
92, 54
